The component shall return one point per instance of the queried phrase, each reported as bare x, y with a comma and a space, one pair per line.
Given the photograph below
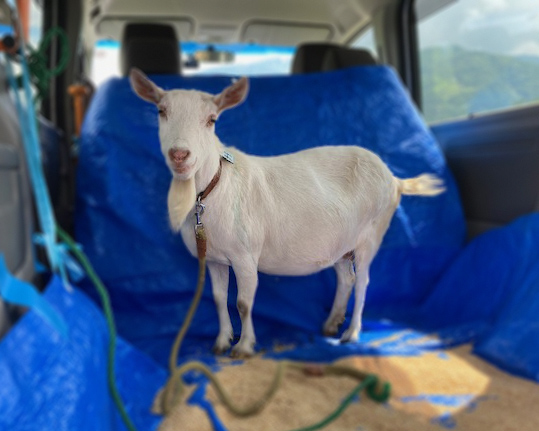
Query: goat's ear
145, 88
232, 95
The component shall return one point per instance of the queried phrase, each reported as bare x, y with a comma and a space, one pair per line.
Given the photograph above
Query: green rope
105, 300
40, 73
370, 383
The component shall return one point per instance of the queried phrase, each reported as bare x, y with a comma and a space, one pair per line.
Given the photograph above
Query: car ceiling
264, 22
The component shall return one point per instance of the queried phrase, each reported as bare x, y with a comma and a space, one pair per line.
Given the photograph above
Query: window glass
36, 23
35, 27
366, 41
105, 61
478, 56
239, 59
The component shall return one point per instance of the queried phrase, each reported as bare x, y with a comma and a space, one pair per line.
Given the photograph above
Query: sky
508, 27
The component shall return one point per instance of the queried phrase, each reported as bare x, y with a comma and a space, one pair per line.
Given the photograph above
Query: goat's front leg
247, 280
219, 284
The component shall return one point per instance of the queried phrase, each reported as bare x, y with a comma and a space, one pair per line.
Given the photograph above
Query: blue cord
20, 292
28, 122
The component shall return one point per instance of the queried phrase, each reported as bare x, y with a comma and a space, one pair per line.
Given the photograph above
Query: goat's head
187, 120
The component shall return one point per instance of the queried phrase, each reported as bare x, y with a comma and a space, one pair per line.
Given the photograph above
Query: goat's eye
162, 113
211, 121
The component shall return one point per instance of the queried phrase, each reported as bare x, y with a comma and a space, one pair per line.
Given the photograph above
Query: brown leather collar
204, 194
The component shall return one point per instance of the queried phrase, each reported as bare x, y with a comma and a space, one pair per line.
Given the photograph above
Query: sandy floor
436, 391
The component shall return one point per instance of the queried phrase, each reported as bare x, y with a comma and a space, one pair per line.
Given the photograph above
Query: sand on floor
438, 390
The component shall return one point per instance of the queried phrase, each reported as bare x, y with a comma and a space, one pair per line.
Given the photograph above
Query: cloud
527, 48
512, 6
509, 27
496, 5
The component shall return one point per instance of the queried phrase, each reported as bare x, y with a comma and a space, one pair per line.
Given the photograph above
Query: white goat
289, 215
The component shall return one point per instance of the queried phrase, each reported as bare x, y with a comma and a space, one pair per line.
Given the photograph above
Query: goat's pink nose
178, 155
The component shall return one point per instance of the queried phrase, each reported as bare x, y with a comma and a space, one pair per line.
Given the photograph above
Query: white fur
289, 215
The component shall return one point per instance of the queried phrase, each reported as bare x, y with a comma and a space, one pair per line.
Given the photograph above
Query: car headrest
153, 48
323, 57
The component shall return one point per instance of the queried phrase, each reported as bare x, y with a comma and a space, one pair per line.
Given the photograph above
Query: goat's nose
178, 155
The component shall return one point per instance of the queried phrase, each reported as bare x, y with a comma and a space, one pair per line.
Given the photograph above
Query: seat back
324, 57
122, 183
152, 48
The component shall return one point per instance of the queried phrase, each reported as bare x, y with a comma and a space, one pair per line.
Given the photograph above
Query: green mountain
457, 82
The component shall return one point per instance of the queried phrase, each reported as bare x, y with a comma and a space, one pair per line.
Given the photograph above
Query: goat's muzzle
178, 155
178, 160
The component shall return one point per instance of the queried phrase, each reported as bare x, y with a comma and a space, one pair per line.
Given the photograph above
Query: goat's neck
208, 170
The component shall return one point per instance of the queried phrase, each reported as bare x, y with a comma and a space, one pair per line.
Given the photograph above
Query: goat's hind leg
363, 258
345, 280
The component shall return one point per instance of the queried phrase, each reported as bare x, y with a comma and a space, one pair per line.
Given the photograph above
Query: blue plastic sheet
52, 382
486, 291
24, 294
493, 290
122, 183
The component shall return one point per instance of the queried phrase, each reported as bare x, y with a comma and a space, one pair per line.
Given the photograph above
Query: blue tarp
422, 276
52, 382
122, 185
492, 289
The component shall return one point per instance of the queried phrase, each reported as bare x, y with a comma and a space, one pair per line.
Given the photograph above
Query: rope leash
175, 386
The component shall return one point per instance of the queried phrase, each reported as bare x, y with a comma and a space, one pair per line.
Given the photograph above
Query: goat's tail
422, 185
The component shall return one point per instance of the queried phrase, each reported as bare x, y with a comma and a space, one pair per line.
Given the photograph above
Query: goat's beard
181, 198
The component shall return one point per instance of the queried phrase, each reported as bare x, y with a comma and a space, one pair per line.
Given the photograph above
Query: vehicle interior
442, 86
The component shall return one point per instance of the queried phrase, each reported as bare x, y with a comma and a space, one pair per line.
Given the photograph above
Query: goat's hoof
222, 342
241, 352
331, 327
330, 332
217, 350
221, 347
350, 336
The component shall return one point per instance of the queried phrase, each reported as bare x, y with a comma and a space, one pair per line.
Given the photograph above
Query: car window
36, 23
478, 56
238, 59
105, 61
366, 41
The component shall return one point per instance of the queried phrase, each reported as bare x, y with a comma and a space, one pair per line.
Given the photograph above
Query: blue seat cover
121, 217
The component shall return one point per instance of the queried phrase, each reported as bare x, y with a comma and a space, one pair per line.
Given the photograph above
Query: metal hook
199, 210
